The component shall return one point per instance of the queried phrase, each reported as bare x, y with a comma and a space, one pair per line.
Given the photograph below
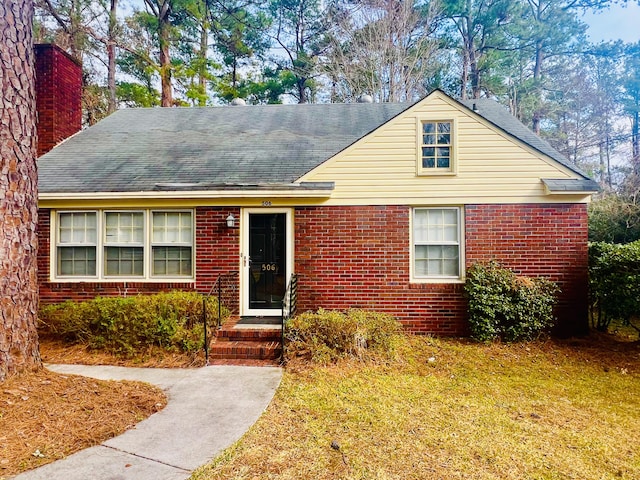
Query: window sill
430, 281
123, 280
436, 174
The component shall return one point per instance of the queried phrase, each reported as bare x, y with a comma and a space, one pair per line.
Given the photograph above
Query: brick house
378, 206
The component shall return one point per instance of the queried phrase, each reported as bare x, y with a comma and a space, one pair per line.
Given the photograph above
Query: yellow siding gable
492, 166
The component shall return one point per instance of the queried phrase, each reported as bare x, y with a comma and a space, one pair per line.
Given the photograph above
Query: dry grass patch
45, 416
451, 409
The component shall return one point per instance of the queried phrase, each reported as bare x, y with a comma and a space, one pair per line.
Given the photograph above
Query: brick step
249, 334
245, 350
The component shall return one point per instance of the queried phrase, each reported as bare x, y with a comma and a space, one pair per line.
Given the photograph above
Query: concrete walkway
208, 409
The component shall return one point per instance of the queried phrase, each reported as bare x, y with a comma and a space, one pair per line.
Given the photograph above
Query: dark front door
267, 257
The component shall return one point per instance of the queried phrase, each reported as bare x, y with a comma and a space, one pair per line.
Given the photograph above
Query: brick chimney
58, 96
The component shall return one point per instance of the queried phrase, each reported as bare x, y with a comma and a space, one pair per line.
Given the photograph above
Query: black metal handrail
289, 305
225, 286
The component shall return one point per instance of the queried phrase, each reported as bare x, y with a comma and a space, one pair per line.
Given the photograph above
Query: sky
616, 23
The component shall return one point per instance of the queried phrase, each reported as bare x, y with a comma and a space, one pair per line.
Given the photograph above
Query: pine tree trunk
18, 191
164, 29
111, 56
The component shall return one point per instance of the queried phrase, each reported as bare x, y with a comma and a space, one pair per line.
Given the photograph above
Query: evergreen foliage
126, 325
614, 282
503, 305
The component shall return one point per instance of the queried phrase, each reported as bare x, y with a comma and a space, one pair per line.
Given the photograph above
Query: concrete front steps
236, 342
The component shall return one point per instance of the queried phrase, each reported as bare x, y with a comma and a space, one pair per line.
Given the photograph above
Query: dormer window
436, 147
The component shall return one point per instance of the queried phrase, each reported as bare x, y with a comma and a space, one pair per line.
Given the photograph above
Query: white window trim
100, 255
461, 247
55, 243
100, 276
453, 167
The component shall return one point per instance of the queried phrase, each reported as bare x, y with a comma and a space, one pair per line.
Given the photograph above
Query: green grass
544, 410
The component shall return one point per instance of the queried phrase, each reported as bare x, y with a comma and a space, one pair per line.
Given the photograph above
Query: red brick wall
217, 249
537, 240
359, 257
58, 96
549, 240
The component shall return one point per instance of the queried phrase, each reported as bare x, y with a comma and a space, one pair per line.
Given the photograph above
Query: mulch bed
46, 416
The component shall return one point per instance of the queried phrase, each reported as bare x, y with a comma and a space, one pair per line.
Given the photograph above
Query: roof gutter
188, 191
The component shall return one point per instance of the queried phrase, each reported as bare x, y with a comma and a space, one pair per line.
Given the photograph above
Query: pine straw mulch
46, 416
57, 351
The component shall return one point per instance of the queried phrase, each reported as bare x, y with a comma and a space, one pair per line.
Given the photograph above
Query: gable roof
500, 117
242, 147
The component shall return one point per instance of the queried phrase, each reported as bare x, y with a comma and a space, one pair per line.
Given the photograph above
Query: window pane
172, 227
444, 152
77, 261
444, 139
428, 162
444, 127
77, 227
429, 127
174, 261
124, 261
443, 162
428, 152
124, 227
429, 139
450, 216
436, 242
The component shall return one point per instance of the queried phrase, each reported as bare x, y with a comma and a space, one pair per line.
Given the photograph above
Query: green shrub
614, 283
127, 325
505, 306
328, 335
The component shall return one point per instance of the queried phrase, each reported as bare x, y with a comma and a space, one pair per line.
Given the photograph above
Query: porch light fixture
231, 221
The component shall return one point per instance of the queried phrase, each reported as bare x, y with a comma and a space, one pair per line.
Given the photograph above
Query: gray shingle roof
136, 149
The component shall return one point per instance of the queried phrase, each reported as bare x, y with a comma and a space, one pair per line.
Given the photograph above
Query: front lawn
451, 409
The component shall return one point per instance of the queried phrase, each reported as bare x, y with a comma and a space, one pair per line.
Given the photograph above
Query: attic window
436, 147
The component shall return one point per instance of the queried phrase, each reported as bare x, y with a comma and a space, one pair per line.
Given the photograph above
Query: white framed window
77, 242
436, 147
437, 243
171, 243
123, 244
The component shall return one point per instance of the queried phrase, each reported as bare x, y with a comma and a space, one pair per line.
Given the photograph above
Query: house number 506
269, 267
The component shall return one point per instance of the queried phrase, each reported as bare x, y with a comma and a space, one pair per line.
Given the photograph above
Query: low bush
505, 306
328, 335
614, 284
128, 325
